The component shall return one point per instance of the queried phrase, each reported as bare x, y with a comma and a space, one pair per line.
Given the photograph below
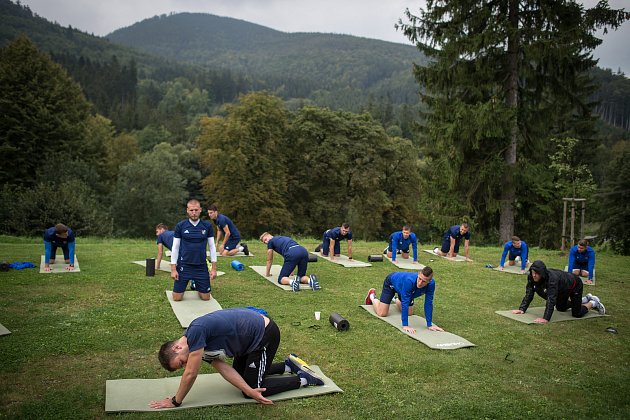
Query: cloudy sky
366, 18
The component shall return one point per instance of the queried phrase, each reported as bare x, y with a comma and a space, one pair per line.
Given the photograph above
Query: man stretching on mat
399, 242
188, 256
451, 239
251, 338
560, 289
164, 239
332, 239
582, 260
408, 286
231, 235
294, 255
59, 236
515, 250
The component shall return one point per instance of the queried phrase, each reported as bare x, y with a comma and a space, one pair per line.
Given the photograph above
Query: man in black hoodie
559, 289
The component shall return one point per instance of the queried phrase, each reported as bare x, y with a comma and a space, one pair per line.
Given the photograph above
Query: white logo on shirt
203, 232
186, 231
253, 365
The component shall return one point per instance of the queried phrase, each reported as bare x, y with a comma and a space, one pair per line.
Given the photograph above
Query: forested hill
297, 65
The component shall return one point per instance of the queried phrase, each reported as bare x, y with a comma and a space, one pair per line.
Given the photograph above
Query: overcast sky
366, 18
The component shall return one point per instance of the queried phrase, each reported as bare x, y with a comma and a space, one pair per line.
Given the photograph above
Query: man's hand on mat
165, 403
501, 267
435, 328
522, 271
47, 268
69, 267
517, 311
540, 321
213, 274
588, 281
409, 330
174, 274
256, 393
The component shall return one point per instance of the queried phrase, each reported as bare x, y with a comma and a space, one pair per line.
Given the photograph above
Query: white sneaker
597, 304
435, 250
588, 297
518, 258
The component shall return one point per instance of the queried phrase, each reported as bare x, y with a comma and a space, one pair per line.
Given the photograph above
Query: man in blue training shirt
582, 260
450, 241
251, 338
399, 242
514, 250
294, 255
188, 255
59, 236
332, 239
408, 286
164, 239
231, 235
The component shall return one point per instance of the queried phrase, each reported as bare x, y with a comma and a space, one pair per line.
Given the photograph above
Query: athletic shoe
245, 249
435, 250
299, 367
589, 297
517, 259
318, 248
192, 285
313, 282
597, 304
295, 284
368, 298
385, 250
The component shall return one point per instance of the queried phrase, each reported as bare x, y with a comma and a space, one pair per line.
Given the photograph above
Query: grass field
72, 332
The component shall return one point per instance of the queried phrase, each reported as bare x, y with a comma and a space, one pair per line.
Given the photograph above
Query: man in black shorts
249, 337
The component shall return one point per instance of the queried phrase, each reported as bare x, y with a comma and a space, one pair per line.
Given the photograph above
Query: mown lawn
72, 332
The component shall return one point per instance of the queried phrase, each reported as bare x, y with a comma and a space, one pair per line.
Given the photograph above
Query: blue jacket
587, 256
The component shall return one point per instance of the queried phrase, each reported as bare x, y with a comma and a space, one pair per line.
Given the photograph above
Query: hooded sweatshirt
553, 283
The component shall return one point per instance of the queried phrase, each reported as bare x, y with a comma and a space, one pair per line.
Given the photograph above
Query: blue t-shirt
194, 240
281, 244
222, 221
586, 257
335, 234
399, 242
49, 236
226, 333
454, 232
166, 238
522, 251
406, 284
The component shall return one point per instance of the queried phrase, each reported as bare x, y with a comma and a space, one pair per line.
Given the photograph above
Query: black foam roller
150, 267
4, 266
375, 258
312, 258
339, 322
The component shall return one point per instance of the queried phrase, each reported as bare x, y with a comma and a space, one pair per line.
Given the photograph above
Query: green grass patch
71, 332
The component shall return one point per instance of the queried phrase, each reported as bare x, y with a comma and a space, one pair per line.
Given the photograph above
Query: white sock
584, 300
373, 296
303, 382
240, 249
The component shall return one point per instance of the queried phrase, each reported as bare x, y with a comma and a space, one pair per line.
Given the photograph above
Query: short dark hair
60, 228
583, 242
406, 227
465, 224
161, 226
193, 201
213, 207
166, 354
516, 239
345, 225
427, 271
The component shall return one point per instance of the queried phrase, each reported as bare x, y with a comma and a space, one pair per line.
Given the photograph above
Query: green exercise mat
209, 390
458, 258
538, 312
275, 272
59, 266
191, 307
512, 269
439, 340
584, 279
4, 330
405, 264
344, 261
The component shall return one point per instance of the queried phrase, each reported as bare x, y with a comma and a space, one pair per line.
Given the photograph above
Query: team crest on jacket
203, 232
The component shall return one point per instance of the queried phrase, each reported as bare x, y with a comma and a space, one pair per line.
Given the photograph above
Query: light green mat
434, 339
584, 279
166, 266
512, 269
59, 266
538, 312
4, 330
405, 264
238, 254
459, 258
191, 307
275, 272
208, 390
344, 261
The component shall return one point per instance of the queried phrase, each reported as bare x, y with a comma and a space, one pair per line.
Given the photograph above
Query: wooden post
564, 226
572, 222
582, 226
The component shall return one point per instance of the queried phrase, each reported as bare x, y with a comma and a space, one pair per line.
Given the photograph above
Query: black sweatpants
256, 366
573, 299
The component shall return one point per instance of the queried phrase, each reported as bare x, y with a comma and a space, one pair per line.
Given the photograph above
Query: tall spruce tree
504, 76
